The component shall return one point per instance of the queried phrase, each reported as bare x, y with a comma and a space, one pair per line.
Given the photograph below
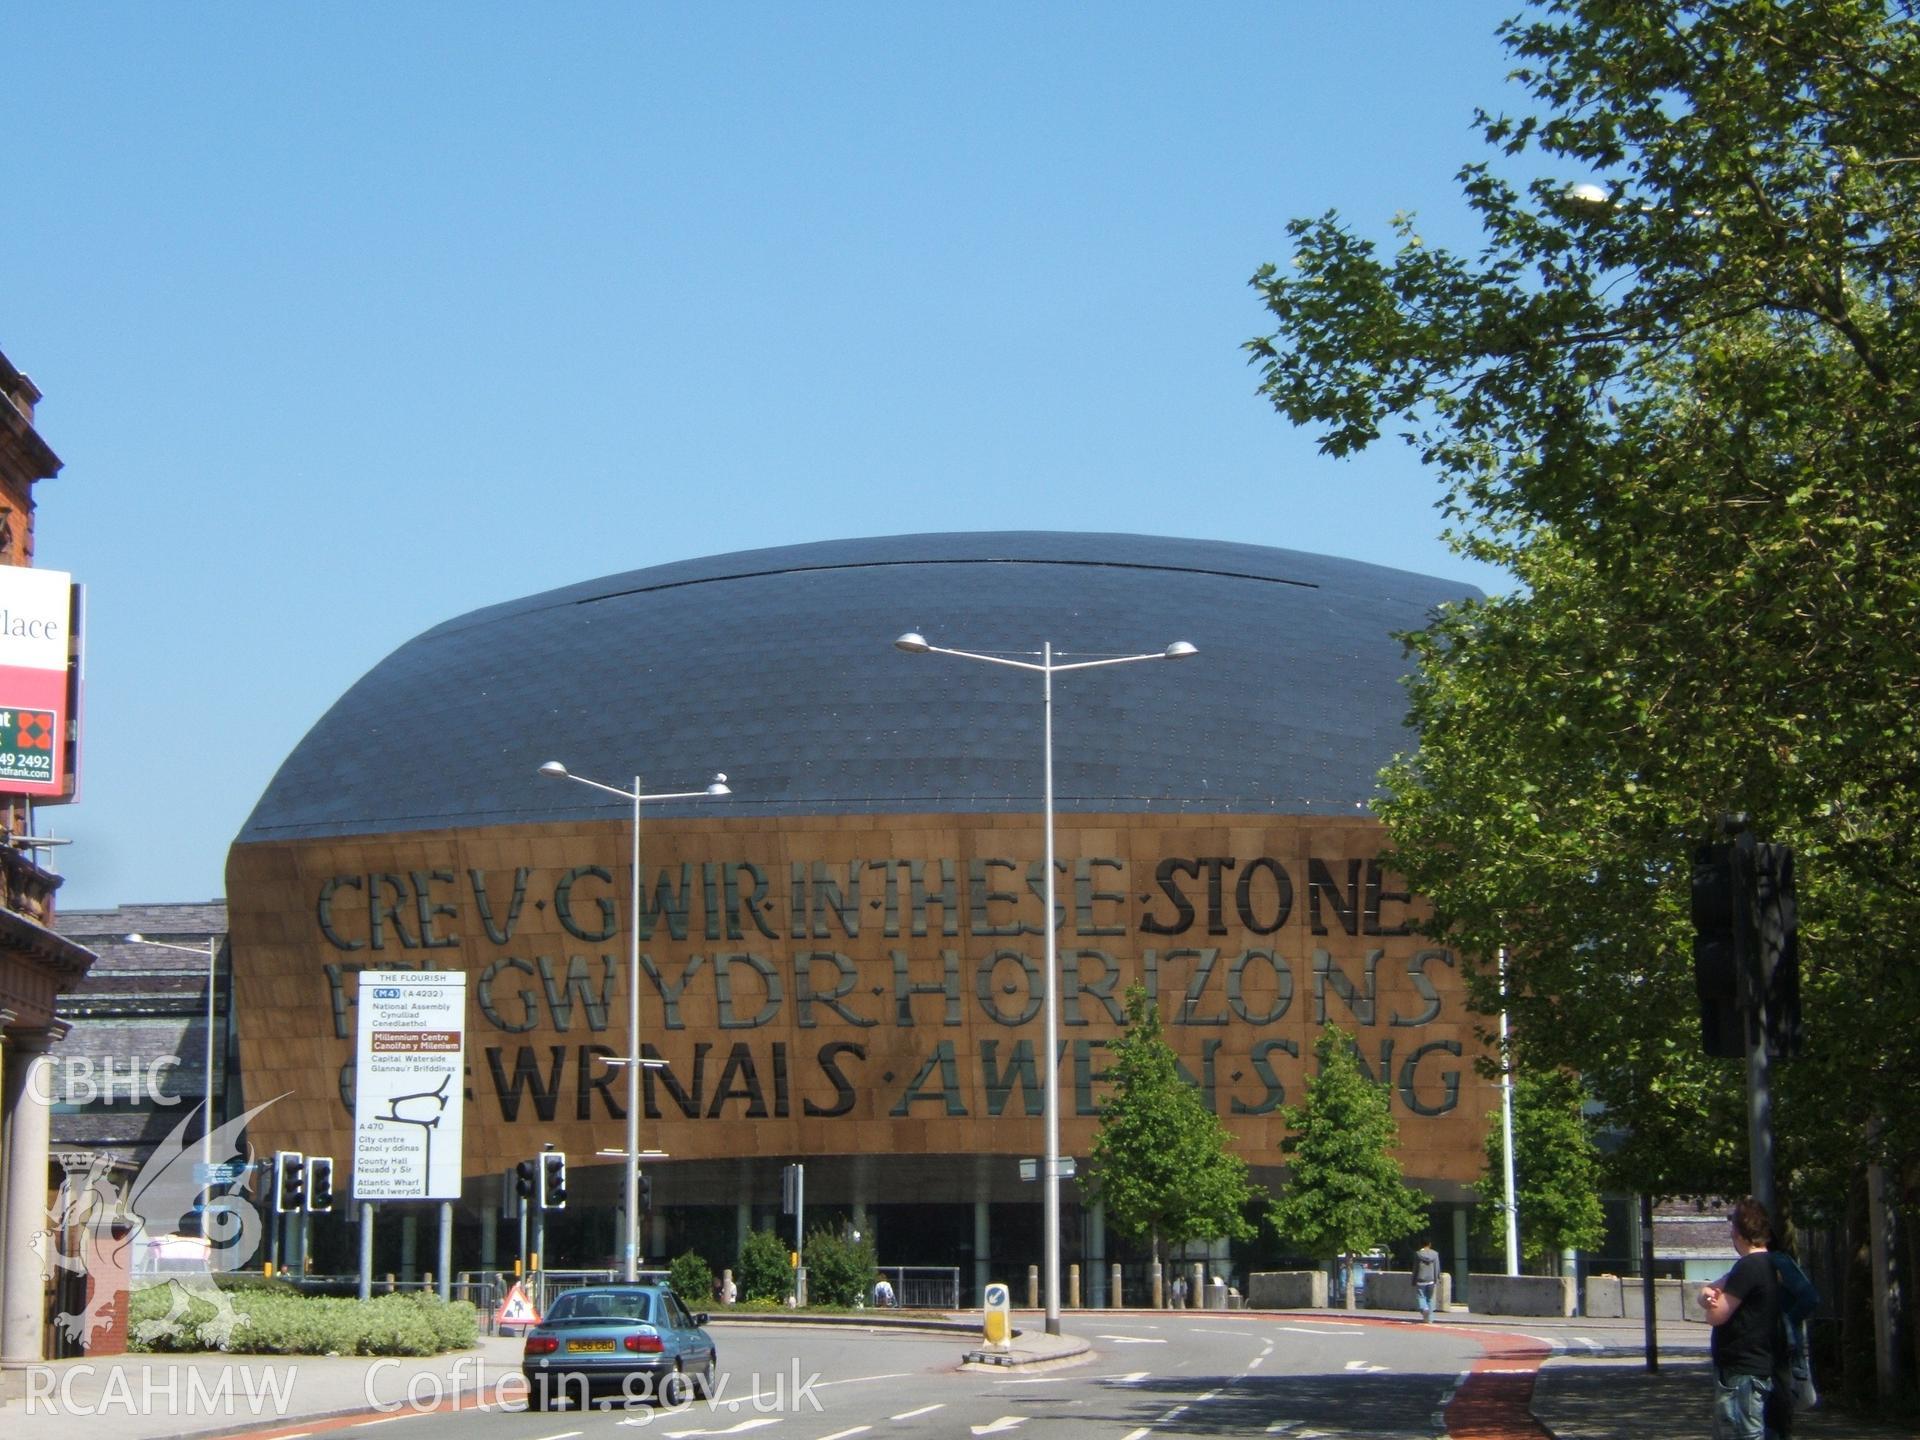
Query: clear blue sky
353, 318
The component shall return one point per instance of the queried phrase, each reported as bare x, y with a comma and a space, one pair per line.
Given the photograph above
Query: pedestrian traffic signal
319, 1184
553, 1181
1776, 927
1720, 913
526, 1178
646, 1192
289, 1181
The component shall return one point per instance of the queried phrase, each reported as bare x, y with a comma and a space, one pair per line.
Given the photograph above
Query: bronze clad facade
841, 962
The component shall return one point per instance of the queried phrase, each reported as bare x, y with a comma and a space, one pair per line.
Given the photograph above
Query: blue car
637, 1340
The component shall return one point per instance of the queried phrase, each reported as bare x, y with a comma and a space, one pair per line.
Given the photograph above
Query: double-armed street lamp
212, 952
913, 643
632, 1059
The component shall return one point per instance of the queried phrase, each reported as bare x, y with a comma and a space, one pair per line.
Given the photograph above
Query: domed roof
778, 667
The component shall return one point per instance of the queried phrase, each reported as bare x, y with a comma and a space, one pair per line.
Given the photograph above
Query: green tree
766, 1272
1162, 1163
839, 1271
1344, 1195
1675, 393
692, 1280
1557, 1178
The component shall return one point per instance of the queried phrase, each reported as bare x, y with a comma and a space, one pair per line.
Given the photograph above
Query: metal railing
923, 1287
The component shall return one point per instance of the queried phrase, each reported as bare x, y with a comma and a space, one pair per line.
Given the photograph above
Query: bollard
1155, 1277
389, 1282
1196, 1284
1073, 1287
1033, 1287
1113, 1287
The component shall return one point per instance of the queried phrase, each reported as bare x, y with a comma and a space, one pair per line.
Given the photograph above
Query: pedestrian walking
1743, 1307
1426, 1277
1179, 1292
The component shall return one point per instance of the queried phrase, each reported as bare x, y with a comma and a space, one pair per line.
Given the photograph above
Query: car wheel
537, 1394
676, 1389
704, 1381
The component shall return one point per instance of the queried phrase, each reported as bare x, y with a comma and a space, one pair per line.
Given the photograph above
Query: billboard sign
409, 1084
36, 609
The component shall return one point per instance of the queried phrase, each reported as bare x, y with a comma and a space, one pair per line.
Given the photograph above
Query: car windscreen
590, 1307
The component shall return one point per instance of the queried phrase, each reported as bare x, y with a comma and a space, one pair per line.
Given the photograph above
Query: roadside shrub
692, 1280
279, 1323
839, 1271
765, 1273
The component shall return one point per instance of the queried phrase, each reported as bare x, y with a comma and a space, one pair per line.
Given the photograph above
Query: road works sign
409, 1084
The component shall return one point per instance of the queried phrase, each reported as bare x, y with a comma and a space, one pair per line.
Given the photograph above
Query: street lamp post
632, 1060
913, 643
212, 953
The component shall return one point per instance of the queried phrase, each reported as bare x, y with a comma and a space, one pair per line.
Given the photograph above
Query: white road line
1137, 1434
843, 1434
1364, 1367
1322, 1329
741, 1428
923, 1410
562, 1435
1133, 1339
1254, 1363
383, 1420
1000, 1426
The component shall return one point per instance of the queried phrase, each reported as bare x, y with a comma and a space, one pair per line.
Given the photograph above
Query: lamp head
719, 785
913, 642
136, 938
1587, 193
1180, 650
554, 769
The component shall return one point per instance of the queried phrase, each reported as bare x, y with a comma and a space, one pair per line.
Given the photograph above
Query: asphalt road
1151, 1376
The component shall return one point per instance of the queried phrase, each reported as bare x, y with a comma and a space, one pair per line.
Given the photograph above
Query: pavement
1595, 1385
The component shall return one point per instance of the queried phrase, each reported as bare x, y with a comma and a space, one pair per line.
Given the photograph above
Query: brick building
37, 963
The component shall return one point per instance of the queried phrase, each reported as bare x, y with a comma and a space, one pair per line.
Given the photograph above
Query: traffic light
553, 1181
526, 1178
289, 1181
1776, 925
646, 1193
1719, 916
319, 1184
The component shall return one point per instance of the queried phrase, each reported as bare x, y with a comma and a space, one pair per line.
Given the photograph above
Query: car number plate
590, 1347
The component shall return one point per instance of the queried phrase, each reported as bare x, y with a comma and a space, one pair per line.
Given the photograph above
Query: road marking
1203, 1330
741, 1428
1364, 1367
1254, 1363
923, 1410
1004, 1423
843, 1434
1133, 1339
1322, 1329
383, 1420
563, 1435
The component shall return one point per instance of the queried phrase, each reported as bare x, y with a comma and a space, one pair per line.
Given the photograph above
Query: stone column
28, 1101
1097, 1255
982, 1253
1462, 1260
